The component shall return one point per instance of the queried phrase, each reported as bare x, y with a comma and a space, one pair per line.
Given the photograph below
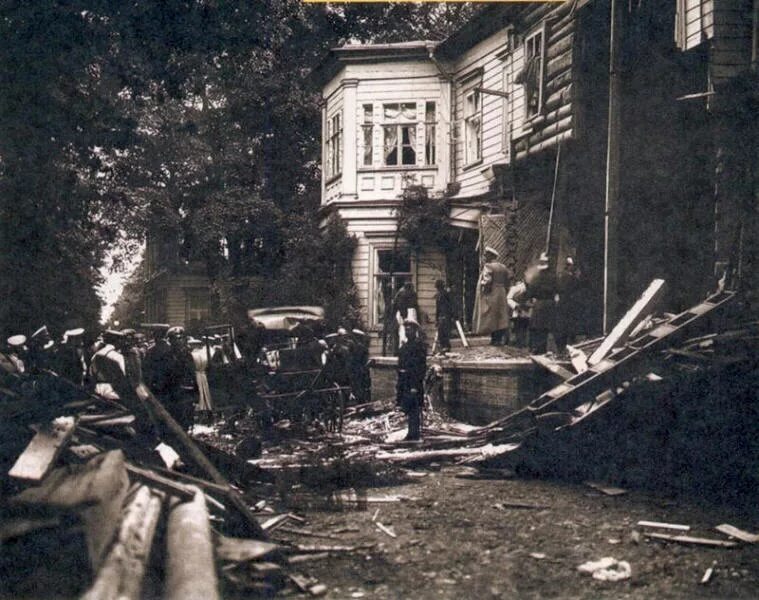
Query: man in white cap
17, 352
493, 315
41, 349
412, 368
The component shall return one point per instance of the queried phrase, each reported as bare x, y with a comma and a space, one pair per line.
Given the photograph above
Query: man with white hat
17, 352
493, 314
41, 349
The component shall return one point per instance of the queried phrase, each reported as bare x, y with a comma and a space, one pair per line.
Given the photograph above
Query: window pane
429, 144
368, 153
395, 262
391, 112
409, 144
429, 112
391, 144
368, 113
408, 111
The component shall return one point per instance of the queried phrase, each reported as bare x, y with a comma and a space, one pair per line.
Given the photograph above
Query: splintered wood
40, 455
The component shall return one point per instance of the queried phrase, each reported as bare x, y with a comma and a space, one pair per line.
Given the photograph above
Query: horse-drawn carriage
298, 375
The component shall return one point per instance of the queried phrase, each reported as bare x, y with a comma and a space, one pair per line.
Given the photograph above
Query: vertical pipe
612, 176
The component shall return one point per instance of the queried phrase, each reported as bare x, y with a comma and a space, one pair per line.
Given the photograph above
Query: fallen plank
740, 534
660, 525
241, 550
550, 365
16, 527
686, 539
321, 548
578, 358
460, 329
181, 491
707, 576
97, 489
190, 567
520, 505
36, 461
639, 311
609, 490
385, 529
300, 558
307, 533
487, 450
274, 522
192, 453
122, 573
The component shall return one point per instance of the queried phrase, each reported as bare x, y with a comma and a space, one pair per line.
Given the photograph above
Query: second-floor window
472, 126
532, 76
430, 129
399, 134
334, 146
367, 130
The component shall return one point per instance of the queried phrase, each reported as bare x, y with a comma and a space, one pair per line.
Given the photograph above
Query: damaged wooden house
621, 134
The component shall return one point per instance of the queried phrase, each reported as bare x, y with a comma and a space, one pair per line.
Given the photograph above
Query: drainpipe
612, 176
451, 110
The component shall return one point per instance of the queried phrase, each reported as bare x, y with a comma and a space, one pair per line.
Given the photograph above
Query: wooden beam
192, 453
483, 90
686, 539
190, 567
36, 461
97, 489
551, 366
123, 570
639, 311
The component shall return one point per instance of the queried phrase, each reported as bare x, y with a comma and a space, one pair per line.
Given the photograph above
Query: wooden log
36, 461
560, 29
97, 489
559, 64
660, 525
686, 539
560, 45
122, 573
639, 311
192, 453
560, 98
190, 567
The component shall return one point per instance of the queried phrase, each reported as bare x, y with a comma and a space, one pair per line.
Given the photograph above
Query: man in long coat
570, 307
494, 312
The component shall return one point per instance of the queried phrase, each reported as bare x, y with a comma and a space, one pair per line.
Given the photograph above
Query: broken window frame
382, 296
535, 45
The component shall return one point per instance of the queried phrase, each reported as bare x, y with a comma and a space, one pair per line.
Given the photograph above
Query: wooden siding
486, 57
731, 46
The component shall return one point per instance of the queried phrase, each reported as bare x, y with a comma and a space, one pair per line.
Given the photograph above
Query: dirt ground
454, 541
458, 536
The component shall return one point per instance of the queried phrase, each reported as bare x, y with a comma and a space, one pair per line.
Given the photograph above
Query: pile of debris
87, 510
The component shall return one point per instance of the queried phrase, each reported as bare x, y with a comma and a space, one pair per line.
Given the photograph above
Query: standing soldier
569, 309
404, 302
443, 315
41, 349
494, 312
542, 291
412, 368
181, 379
71, 361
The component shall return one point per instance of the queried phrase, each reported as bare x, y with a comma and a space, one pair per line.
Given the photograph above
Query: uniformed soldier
542, 291
493, 317
444, 315
70, 358
412, 367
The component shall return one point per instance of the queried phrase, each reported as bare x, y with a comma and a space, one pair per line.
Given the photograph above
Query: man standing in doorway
443, 315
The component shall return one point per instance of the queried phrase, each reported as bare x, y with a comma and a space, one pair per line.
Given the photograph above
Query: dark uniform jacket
543, 291
412, 367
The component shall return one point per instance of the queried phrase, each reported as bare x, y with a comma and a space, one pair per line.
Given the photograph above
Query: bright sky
114, 282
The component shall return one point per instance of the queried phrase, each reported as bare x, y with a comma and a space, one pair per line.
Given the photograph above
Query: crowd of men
525, 311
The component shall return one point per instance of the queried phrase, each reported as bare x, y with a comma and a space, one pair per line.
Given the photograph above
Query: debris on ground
607, 569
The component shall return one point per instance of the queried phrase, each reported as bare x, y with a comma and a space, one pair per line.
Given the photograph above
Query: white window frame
430, 134
506, 123
334, 153
472, 125
367, 135
400, 123
530, 50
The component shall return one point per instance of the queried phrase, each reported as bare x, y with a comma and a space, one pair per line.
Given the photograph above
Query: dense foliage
423, 219
187, 117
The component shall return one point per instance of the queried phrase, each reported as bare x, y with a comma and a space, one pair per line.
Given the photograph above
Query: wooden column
350, 138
